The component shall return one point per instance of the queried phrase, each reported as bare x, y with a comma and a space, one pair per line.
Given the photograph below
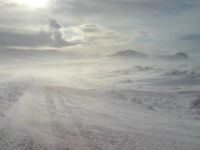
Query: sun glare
33, 3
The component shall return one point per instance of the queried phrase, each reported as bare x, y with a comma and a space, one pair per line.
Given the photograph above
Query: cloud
59, 41
89, 28
54, 24
156, 24
191, 37
57, 35
23, 38
91, 33
140, 34
18, 16
116, 8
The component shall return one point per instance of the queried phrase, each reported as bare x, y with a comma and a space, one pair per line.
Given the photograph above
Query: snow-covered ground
100, 104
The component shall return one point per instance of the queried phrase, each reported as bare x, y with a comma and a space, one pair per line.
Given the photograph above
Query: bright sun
33, 3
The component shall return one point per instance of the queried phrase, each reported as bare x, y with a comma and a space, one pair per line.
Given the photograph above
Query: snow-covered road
57, 118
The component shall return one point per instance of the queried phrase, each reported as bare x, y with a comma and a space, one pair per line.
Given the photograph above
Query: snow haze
99, 75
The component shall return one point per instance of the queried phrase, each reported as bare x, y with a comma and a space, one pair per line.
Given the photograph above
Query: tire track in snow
22, 124
67, 125
97, 138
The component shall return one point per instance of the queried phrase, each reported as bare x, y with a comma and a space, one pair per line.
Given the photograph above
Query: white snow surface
99, 104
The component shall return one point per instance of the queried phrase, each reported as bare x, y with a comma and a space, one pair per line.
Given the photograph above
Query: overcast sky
101, 26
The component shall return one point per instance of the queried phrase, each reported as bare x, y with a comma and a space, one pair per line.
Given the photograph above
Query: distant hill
175, 57
180, 56
130, 54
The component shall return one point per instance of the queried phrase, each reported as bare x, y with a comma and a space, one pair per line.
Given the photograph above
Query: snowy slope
99, 104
